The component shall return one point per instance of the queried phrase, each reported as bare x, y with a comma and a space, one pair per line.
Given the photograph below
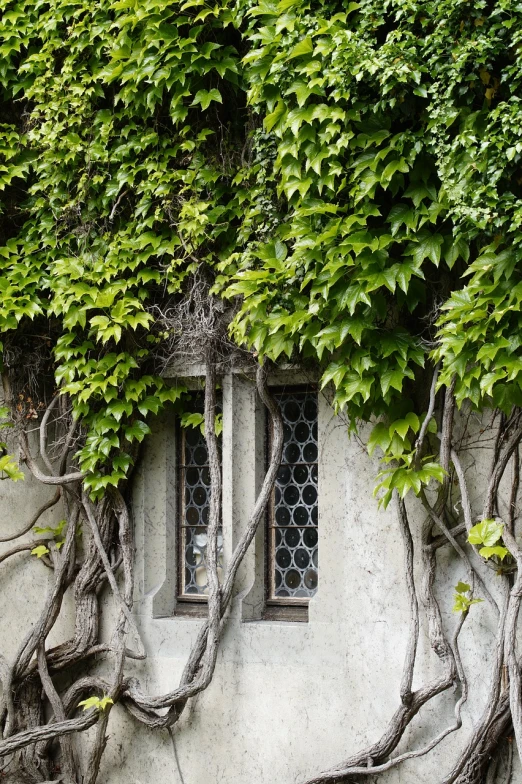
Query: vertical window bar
293, 513
194, 486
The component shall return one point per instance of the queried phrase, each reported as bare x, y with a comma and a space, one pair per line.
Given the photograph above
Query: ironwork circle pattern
195, 485
295, 500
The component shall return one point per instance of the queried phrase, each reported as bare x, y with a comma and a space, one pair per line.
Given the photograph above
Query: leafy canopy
346, 175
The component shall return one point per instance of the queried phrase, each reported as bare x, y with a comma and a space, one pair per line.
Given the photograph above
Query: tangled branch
107, 546
504, 704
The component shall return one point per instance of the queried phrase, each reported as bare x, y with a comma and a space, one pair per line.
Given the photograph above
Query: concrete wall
288, 698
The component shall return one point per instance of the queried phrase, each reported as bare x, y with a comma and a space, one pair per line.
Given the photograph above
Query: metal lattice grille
294, 512
195, 491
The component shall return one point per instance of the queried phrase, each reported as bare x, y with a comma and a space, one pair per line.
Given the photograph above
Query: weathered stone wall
288, 698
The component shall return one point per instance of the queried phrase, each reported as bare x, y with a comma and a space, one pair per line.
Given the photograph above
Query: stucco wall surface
288, 698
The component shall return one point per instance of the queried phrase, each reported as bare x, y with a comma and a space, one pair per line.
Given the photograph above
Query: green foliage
197, 420
100, 703
406, 477
9, 469
463, 598
407, 473
379, 205
40, 550
348, 175
56, 533
123, 187
193, 420
488, 533
218, 424
8, 466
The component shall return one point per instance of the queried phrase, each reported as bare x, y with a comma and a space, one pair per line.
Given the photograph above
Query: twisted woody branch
108, 546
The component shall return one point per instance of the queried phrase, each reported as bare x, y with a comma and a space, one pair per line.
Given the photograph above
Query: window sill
286, 612
188, 609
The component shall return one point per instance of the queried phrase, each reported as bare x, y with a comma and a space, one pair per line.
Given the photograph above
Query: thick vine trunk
38, 719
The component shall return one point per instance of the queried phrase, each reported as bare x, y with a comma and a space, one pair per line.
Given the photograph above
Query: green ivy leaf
429, 246
498, 550
205, 98
138, 430
10, 468
462, 603
462, 587
303, 47
379, 437
487, 532
40, 550
100, 703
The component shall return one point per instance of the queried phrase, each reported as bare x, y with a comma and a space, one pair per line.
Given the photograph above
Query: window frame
157, 496
282, 607
186, 603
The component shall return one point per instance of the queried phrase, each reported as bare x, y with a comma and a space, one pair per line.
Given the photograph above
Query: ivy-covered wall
349, 171
334, 184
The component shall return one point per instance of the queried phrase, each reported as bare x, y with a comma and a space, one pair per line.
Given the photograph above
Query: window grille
293, 514
194, 495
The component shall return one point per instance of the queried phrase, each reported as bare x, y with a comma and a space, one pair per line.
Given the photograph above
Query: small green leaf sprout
463, 598
197, 420
40, 551
9, 468
100, 703
488, 533
56, 533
